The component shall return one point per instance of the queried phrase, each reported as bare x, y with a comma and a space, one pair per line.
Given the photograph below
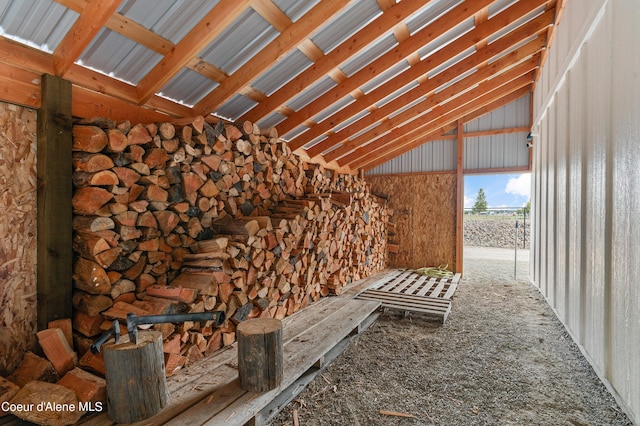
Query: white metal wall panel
433, 156
586, 186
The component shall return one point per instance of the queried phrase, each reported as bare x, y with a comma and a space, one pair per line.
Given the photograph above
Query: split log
89, 139
50, 397
7, 391
136, 384
88, 387
55, 346
32, 367
89, 199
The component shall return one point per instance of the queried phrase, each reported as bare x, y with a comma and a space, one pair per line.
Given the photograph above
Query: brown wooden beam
424, 118
460, 198
205, 31
55, 254
325, 63
382, 113
404, 49
278, 48
83, 30
405, 146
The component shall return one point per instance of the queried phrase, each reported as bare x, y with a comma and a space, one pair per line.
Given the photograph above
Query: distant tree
481, 203
526, 209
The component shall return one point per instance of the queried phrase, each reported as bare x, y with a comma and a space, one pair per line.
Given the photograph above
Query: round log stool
260, 355
136, 383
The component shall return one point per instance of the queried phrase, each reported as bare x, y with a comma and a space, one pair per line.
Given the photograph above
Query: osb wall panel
424, 213
17, 233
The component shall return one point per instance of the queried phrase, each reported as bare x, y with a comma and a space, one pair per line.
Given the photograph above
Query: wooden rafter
436, 135
415, 129
477, 59
325, 63
416, 111
92, 18
288, 39
205, 31
413, 139
384, 62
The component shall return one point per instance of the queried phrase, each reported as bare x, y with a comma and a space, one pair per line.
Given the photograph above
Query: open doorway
497, 218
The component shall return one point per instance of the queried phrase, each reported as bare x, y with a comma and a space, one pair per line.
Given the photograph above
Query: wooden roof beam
481, 95
272, 14
403, 50
205, 31
508, 98
324, 64
294, 35
475, 60
83, 30
416, 128
416, 111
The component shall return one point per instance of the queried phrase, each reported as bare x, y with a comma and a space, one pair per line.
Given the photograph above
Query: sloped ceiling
351, 83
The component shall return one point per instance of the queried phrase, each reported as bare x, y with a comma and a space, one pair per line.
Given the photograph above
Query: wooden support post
260, 354
460, 199
135, 374
55, 253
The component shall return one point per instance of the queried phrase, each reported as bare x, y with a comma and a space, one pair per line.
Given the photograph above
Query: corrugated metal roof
385, 76
235, 107
294, 9
171, 19
39, 23
345, 24
124, 58
311, 93
515, 24
436, 156
342, 103
368, 55
433, 10
271, 120
445, 39
188, 87
283, 71
514, 114
239, 42
397, 93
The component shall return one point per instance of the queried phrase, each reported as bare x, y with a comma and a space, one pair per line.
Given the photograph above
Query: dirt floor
501, 358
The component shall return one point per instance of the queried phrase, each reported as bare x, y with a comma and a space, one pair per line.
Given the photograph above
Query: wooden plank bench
208, 392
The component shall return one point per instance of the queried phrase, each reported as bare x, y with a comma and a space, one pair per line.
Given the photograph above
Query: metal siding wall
433, 156
561, 194
625, 137
586, 182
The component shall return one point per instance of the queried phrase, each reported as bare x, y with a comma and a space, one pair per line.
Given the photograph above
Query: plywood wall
17, 233
424, 213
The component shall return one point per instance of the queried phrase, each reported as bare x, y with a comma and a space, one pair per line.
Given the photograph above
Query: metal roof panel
431, 12
188, 87
282, 72
345, 24
295, 9
311, 93
171, 19
116, 55
235, 107
239, 42
368, 55
41, 24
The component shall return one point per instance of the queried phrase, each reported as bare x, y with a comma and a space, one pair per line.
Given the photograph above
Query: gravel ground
496, 231
501, 358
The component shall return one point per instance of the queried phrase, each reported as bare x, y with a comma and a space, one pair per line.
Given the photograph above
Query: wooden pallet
411, 292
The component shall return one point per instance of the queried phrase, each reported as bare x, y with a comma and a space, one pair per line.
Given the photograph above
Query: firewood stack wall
192, 217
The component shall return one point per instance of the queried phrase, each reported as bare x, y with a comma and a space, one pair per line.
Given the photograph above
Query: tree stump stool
136, 383
260, 354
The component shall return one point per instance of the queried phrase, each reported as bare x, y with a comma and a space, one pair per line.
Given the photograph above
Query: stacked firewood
190, 216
